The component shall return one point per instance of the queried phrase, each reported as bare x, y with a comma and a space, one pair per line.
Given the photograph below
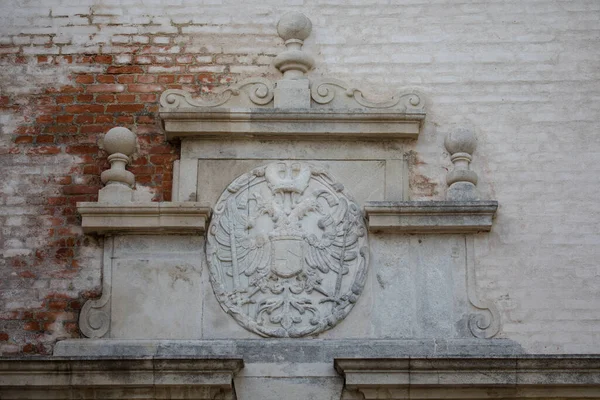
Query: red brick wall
64, 124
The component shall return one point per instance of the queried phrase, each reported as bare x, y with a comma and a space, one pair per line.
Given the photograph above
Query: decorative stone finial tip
293, 28
460, 141
294, 25
120, 140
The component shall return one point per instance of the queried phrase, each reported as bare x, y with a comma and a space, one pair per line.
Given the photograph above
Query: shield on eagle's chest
287, 258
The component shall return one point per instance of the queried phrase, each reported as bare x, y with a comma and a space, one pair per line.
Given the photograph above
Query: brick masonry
525, 75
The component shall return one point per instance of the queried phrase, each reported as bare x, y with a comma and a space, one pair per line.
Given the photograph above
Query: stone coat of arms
287, 250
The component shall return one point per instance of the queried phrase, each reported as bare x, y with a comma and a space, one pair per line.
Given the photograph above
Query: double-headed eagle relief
287, 250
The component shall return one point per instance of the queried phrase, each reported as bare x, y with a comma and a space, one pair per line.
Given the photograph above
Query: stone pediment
295, 107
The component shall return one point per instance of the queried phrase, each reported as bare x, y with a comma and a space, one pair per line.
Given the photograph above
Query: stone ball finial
120, 140
294, 25
460, 141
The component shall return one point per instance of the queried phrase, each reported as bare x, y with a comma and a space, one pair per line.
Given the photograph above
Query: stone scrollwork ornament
260, 93
323, 91
287, 250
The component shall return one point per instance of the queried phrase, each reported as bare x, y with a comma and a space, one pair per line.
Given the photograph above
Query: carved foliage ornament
287, 250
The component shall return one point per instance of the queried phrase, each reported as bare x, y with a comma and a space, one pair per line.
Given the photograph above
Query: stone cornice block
144, 218
274, 123
62, 377
462, 377
430, 216
287, 350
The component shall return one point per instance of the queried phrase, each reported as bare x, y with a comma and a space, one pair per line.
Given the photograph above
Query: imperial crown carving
287, 250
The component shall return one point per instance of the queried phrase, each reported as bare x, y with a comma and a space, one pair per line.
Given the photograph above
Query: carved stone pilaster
462, 182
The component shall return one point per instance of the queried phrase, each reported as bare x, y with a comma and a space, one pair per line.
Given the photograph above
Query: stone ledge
528, 376
430, 216
62, 378
270, 123
288, 350
140, 218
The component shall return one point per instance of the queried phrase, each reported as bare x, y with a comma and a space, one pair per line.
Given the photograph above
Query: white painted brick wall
524, 74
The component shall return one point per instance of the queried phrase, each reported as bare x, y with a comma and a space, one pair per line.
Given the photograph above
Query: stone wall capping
293, 350
430, 216
144, 217
527, 376
73, 377
273, 123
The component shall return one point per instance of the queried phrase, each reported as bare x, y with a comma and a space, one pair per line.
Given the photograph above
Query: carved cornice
295, 106
270, 123
430, 216
165, 217
466, 377
69, 378
246, 110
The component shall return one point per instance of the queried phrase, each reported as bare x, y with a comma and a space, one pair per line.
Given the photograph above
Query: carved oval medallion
287, 250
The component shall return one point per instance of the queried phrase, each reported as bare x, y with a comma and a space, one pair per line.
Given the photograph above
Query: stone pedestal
292, 94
